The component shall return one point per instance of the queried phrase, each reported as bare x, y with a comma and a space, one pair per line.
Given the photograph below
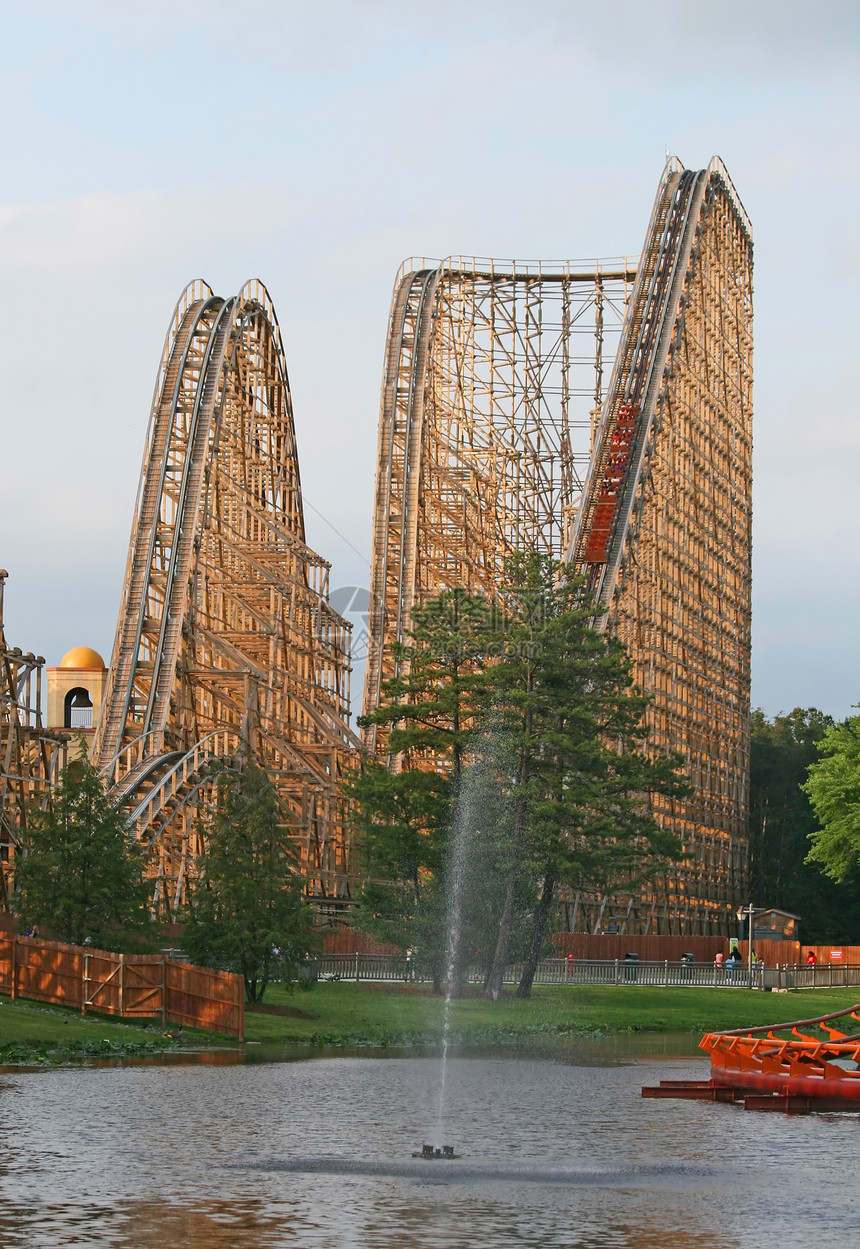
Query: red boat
789, 1066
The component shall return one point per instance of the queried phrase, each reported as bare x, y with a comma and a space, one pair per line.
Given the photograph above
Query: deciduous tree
782, 748
833, 788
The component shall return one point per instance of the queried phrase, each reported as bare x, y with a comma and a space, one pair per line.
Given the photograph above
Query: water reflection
317, 1154
146, 1222
616, 1049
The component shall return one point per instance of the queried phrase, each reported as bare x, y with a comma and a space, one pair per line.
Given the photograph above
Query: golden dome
82, 657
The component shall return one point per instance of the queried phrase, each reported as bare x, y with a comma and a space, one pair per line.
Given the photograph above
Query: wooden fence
653, 948
127, 985
793, 952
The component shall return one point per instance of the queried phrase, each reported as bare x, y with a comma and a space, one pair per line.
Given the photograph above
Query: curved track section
401, 430
225, 632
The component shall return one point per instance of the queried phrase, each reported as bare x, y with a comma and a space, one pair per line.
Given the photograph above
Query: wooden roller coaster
498, 432
226, 643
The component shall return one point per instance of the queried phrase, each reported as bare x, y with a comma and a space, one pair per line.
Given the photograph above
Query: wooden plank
128, 986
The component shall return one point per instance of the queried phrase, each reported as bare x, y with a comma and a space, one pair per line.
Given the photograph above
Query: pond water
557, 1149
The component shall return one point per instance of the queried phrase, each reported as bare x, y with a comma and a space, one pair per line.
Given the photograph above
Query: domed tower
76, 691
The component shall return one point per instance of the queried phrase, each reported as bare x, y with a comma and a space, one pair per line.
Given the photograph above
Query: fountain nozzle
430, 1151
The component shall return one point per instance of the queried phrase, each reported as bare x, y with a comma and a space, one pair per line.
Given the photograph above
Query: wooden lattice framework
226, 642
478, 455
673, 567
494, 378
30, 757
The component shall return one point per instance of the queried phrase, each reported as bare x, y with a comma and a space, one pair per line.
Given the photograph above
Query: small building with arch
76, 691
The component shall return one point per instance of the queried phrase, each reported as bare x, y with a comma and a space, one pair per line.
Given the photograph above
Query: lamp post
749, 910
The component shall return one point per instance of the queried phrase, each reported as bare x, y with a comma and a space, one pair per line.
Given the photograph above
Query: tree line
80, 877
516, 738
805, 820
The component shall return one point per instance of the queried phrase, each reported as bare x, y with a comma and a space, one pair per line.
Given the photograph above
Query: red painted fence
656, 947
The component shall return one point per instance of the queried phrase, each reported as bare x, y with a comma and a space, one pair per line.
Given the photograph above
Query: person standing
732, 962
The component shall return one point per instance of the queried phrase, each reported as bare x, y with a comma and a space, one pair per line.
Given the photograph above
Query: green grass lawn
341, 1013
31, 1032
347, 1014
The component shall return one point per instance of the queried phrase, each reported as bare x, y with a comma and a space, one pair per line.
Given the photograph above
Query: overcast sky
316, 146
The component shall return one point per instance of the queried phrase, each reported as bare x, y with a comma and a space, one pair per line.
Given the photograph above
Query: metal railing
365, 967
620, 971
820, 976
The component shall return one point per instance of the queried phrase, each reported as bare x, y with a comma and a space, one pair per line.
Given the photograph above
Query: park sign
836, 956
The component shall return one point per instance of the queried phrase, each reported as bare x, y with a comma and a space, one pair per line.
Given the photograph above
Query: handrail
184, 765
135, 743
506, 269
797, 1023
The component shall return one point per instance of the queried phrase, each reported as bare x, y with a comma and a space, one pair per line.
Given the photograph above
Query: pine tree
518, 733
79, 875
571, 723
409, 815
247, 912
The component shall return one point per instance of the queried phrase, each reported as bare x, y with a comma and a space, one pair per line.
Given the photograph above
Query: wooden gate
126, 985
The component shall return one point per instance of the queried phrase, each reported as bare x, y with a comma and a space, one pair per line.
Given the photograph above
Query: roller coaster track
638, 371
160, 555
226, 645
478, 456
397, 485
669, 558
497, 433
